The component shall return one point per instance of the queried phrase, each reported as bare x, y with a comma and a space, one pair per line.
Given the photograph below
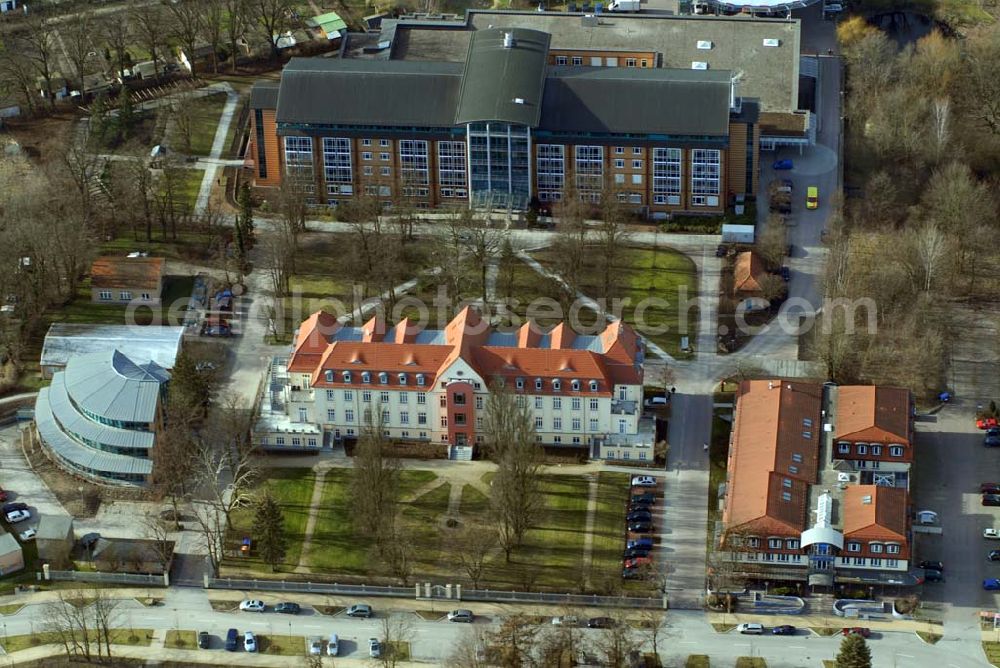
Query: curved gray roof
72, 421
111, 385
80, 456
152, 342
504, 83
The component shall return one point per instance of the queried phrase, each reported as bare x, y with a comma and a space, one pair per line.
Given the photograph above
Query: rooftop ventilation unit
704, 44
772, 42
508, 40
699, 65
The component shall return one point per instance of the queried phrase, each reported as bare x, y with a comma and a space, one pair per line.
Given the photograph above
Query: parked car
782, 164
16, 516
639, 516
333, 645
28, 534
249, 642
315, 645
252, 605
633, 552
647, 497
360, 610
992, 439
600, 623
991, 499
16, 505
991, 584
566, 620
750, 628
812, 197
931, 575
646, 527
933, 564
637, 562
204, 640
994, 555
991, 533
374, 648
232, 637
989, 488
643, 481
721, 250
288, 608
644, 543
639, 508
461, 615
783, 630
856, 631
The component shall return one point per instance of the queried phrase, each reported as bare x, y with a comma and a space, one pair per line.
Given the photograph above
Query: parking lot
21, 483
951, 465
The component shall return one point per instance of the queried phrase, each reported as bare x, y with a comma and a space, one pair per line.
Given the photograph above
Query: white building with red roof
431, 385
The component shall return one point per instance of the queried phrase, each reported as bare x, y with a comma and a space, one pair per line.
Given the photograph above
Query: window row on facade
874, 449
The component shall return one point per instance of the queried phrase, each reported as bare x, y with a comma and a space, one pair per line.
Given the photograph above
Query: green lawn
190, 245
181, 639
552, 553
992, 650
205, 113
474, 502
751, 662
654, 283
422, 523
336, 545
188, 186
697, 661
293, 488
282, 645
609, 536
137, 637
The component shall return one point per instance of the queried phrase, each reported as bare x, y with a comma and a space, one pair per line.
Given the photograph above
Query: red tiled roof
747, 272
394, 351
136, 273
870, 414
770, 427
876, 513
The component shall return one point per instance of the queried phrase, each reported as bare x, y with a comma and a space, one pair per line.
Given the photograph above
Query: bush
723, 602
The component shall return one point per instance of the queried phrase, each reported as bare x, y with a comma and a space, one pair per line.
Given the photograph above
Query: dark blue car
782, 164
992, 584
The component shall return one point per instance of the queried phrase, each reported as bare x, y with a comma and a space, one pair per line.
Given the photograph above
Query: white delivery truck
623, 6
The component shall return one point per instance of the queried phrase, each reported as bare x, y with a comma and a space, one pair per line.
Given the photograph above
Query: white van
333, 646
751, 628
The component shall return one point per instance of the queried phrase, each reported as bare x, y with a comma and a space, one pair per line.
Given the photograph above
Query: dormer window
383, 377
366, 377
519, 383
402, 379
556, 385
538, 383
875, 547
347, 376
853, 547
576, 386
328, 375
593, 386
420, 379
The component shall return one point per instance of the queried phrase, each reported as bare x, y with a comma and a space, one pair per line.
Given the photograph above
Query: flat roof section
762, 53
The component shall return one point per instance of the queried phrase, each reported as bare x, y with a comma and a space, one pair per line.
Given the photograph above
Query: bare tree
931, 250
157, 531
772, 241
36, 42
273, 17
571, 241
980, 87
213, 21
772, 287
611, 237
77, 38
654, 626
116, 30
186, 24
480, 242
397, 633
17, 74
399, 554
237, 22
515, 642
66, 618
149, 26
105, 611
470, 651
225, 458
472, 546
211, 521
375, 482
515, 497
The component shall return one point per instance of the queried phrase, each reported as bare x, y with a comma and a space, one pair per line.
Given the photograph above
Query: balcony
297, 395
624, 407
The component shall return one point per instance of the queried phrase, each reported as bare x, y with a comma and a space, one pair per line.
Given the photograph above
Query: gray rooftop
504, 75
54, 527
264, 95
626, 100
64, 340
767, 73
8, 544
111, 385
317, 91
80, 456
72, 421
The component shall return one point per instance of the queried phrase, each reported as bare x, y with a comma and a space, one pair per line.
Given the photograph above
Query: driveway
952, 463
21, 483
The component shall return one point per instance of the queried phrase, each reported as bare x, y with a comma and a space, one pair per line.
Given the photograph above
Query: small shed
747, 274
737, 234
55, 538
330, 24
11, 556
